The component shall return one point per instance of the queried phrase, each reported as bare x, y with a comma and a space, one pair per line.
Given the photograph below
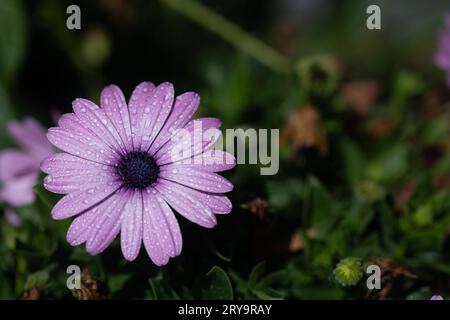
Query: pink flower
437, 298
442, 55
19, 168
13, 218
121, 176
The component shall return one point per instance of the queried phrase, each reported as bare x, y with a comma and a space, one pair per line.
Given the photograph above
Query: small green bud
348, 271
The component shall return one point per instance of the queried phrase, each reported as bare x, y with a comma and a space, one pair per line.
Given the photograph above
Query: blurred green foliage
380, 190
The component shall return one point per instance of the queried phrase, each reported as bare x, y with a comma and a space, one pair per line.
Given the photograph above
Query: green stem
232, 33
44, 200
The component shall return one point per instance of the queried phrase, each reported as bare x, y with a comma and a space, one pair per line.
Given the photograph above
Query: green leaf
407, 85
214, 285
256, 274
282, 194
38, 279
352, 160
160, 289
321, 207
322, 292
423, 216
117, 281
5, 289
390, 165
423, 293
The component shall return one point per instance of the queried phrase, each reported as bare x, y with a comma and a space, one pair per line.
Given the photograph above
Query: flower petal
185, 204
72, 124
217, 203
81, 226
12, 218
80, 145
113, 103
96, 120
212, 160
184, 108
149, 116
80, 201
138, 103
31, 136
67, 182
196, 137
107, 223
19, 191
64, 163
197, 179
14, 163
162, 235
132, 225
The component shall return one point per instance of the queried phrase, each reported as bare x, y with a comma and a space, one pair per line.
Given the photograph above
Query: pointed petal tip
93, 251
211, 223
160, 263
72, 240
129, 256
145, 84
43, 166
166, 84
110, 87
56, 214
189, 95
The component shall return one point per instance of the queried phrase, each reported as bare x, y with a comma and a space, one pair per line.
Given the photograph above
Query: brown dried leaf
91, 288
431, 104
361, 96
385, 290
432, 154
405, 194
296, 243
391, 268
34, 293
120, 11
304, 129
381, 127
258, 207
312, 232
441, 182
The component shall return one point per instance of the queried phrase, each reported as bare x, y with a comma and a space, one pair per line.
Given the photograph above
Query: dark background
365, 178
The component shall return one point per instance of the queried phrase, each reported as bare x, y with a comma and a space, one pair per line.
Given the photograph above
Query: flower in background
12, 218
437, 298
120, 175
19, 168
442, 56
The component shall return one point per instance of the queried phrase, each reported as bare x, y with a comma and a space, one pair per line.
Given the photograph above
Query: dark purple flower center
138, 170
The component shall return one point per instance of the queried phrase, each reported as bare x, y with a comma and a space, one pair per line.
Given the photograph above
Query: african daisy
19, 168
121, 175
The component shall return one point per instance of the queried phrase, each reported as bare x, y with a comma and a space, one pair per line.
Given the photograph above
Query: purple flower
121, 174
19, 168
442, 55
13, 218
437, 298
